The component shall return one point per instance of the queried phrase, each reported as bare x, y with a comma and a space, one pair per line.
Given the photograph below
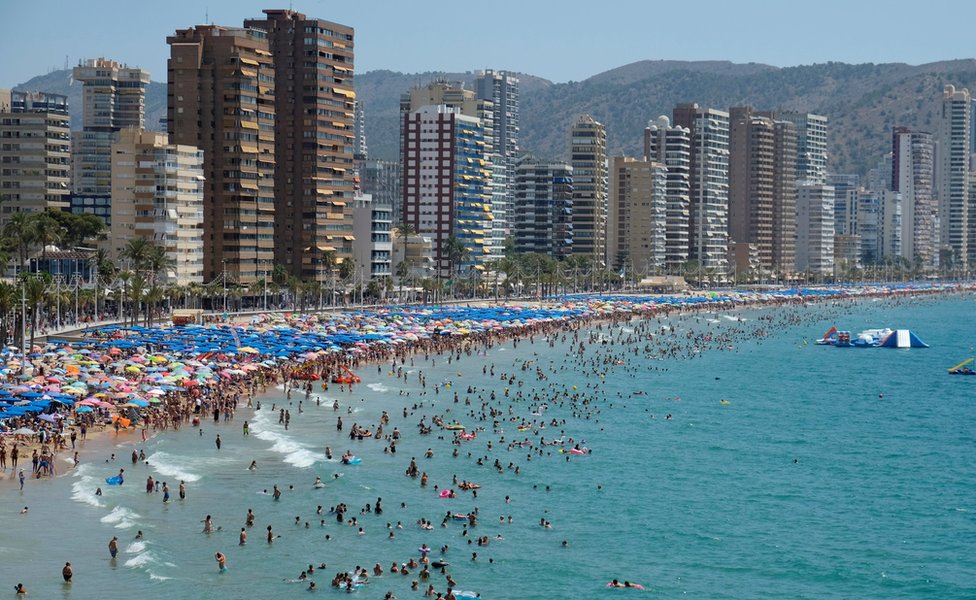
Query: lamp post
265, 290
23, 318
223, 277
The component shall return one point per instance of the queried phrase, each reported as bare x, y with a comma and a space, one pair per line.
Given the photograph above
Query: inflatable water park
872, 338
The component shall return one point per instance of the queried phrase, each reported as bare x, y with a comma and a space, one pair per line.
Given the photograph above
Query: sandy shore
102, 441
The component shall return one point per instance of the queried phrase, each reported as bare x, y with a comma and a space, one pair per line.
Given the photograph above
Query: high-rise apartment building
671, 146
501, 88
314, 139
815, 229
784, 196
708, 231
446, 182
544, 197
382, 179
361, 149
373, 248
221, 99
588, 157
846, 191
157, 195
912, 174
751, 149
637, 224
113, 98
811, 145
957, 221
879, 225
466, 102
35, 150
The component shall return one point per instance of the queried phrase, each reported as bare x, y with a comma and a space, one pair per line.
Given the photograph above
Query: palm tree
20, 232
9, 301
153, 296
136, 250
35, 295
457, 254
157, 261
136, 293
402, 272
47, 231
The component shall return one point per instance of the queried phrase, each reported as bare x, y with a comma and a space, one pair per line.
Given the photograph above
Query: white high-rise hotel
957, 218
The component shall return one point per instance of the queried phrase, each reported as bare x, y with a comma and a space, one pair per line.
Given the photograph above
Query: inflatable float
351, 460
116, 480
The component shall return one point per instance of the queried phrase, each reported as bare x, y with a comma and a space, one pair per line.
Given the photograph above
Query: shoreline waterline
685, 500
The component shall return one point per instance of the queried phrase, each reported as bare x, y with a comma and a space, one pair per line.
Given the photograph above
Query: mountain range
863, 102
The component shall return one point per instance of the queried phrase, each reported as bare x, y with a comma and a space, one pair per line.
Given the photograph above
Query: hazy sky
560, 40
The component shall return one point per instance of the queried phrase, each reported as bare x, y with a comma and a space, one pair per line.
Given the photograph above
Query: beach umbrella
24, 431
84, 409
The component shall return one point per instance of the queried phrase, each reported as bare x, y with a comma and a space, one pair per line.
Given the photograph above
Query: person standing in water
66, 572
221, 561
113, 546
217, 441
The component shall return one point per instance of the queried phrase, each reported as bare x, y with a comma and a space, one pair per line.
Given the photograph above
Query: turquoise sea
830, 473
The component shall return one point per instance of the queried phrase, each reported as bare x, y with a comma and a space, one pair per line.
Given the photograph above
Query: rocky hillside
863, 101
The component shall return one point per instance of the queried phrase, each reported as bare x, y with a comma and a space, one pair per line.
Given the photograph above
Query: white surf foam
83, 490
295, 453
377, 387
121, 517
170, 466
135, 547
141, 560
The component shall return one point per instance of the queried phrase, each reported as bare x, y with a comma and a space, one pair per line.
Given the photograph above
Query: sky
560, 40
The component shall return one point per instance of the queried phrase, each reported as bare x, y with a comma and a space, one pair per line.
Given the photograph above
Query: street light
223, 278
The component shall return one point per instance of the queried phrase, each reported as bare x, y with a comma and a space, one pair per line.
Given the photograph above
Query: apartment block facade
314, 139
221, 98
588, 157
157, 195
671, 146
637, 228
35, 151
912, 174
113, 98
446, 183
957, 221
709, 206
544, 197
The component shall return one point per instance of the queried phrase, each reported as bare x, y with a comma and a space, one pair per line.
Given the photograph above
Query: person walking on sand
66, 572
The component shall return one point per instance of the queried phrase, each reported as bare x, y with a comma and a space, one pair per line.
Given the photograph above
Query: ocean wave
121, 517
142, 560
83, 490
170, 466
295, 453
135, 547
377, 387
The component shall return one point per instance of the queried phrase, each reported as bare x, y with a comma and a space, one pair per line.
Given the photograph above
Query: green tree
35, 294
